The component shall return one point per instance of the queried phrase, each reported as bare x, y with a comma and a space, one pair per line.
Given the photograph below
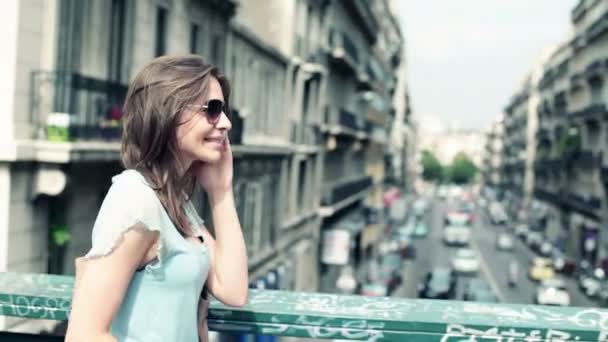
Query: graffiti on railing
44, 308
314, 327
457, 332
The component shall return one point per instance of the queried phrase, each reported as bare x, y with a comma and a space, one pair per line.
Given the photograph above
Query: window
160, 44
194, 29
216, 50
117, 40
302, 186
597, 87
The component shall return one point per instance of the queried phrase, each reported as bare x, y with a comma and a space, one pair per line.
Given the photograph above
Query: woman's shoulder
132, 184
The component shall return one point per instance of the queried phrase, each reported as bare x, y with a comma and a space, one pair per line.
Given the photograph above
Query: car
442, 192
545, 248
440, 283
374, 290
467, 209
552, 292
534, 239
455, 217
420, 229
521, 230
477, 290
540, 269
466, 261
504, 242
420, 207
591, 282
562, 263
498, 216
456, 235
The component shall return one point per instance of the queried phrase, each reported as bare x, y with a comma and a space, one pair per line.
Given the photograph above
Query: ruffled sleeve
128, 202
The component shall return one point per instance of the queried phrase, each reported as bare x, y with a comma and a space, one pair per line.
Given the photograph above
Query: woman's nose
224, 122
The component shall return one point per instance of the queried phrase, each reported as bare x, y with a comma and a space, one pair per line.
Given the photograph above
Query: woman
151, 254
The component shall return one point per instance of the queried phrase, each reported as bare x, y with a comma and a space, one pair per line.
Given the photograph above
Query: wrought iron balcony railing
344, 50
93, 105
345, 190
348, 119
327, 316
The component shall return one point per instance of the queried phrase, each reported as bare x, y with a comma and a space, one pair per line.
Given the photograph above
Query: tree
462, 170
432, 170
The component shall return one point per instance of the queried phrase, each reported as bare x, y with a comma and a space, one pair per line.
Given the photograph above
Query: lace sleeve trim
108, 245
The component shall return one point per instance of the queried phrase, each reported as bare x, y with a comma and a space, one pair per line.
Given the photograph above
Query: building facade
569, 181
491, 163
312, 108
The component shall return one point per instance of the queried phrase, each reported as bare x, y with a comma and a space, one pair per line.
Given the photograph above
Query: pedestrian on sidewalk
152, 259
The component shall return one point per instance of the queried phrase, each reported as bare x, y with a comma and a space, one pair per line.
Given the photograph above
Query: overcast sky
467, 57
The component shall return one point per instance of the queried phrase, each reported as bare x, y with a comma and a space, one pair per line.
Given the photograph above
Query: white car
466, 261
552, 292
457, 235
504, 242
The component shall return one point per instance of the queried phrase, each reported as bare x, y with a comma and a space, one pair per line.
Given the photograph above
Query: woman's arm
228, 277
102, 287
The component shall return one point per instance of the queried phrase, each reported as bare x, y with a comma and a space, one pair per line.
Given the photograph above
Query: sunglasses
213, 110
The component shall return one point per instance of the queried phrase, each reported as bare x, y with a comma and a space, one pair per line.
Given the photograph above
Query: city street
431, 252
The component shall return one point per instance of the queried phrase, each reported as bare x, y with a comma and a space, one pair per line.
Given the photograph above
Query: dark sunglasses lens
215, 109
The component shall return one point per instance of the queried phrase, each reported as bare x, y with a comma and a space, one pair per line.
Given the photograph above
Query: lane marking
486, 271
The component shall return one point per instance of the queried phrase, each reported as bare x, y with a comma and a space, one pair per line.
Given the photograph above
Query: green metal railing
328, 316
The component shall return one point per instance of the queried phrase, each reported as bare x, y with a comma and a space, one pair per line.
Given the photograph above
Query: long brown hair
152, 112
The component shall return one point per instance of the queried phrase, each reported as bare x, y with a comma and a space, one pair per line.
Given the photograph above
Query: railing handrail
330, 316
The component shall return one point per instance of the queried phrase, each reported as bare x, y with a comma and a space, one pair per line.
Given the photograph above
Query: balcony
585, 205
337, 196
597, 28
327, 316
593, 110
586, 158
74, 107
579, 11
344, 53
594, 68
362, 13
548, 164
548, 196
604, 175
348, 119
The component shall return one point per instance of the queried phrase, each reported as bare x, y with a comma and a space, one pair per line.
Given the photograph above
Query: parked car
440, 283
504, 242
534, 239
540, 269
466, 261
521, 230
374, 290
545, 249
603, 295
562, 263
552, 292
590, 283
477, 290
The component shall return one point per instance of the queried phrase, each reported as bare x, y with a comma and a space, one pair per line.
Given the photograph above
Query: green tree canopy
462, 170
432, 170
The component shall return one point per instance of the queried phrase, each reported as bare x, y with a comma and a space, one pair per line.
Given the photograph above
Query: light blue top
161, 302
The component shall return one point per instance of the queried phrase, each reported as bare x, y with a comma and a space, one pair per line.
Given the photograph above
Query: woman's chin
210, 156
